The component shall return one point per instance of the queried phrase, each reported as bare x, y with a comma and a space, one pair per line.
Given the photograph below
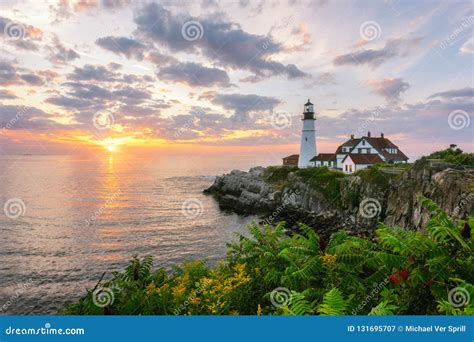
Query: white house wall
349, 164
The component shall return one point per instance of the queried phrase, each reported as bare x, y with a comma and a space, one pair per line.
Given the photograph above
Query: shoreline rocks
358, 205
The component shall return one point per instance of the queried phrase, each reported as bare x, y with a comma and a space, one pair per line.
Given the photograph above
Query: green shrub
397, 271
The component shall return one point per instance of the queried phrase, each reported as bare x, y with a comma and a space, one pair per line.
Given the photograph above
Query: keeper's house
356, 154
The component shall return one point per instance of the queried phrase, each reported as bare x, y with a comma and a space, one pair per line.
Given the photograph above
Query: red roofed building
358, 153
324, 159
291, 160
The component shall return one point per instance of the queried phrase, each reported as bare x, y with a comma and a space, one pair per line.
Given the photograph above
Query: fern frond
383, 309
333, 303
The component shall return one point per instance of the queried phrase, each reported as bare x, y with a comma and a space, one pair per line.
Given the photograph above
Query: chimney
352, 136
368, 134
381, 135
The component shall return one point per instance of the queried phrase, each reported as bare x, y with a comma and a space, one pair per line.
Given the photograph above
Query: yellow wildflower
150, 289
329, 259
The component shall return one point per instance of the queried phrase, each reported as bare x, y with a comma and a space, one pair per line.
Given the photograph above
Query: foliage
397, 271
323, 179
454, 155
373, 175
276, 174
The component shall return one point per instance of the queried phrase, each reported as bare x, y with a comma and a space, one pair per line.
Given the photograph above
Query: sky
227, 76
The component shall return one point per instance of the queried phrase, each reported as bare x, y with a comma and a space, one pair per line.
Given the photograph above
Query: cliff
329, 200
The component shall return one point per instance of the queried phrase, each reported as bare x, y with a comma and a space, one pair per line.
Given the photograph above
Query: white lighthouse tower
308, 137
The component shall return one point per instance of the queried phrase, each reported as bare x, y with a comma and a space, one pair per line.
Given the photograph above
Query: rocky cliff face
357, 203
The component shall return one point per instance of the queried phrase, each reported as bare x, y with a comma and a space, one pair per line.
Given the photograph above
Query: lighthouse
308, 136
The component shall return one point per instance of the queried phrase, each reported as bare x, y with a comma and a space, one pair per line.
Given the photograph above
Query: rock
360, 204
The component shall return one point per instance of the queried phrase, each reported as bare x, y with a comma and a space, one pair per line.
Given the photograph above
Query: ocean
67, 219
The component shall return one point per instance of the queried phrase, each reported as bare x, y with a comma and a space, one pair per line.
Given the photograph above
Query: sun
111, 147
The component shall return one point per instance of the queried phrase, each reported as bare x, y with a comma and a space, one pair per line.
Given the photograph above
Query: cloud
195, 74
22, 36
11, 75
242, 104
122, 46
19, 117
7, 95
389, 88
467, 92
415, 122
65, 8
90, 72
32, 79
60, 54
223, 42
325, 78
468, 47
374, 58
7, 73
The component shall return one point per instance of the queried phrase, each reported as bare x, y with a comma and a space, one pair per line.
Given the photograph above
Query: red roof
380, 144
324, 157
293, 156
364, 158
349, 143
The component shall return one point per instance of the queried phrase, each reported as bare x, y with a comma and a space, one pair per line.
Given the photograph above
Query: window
359, 150
350, 168
363, 142
345, 167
